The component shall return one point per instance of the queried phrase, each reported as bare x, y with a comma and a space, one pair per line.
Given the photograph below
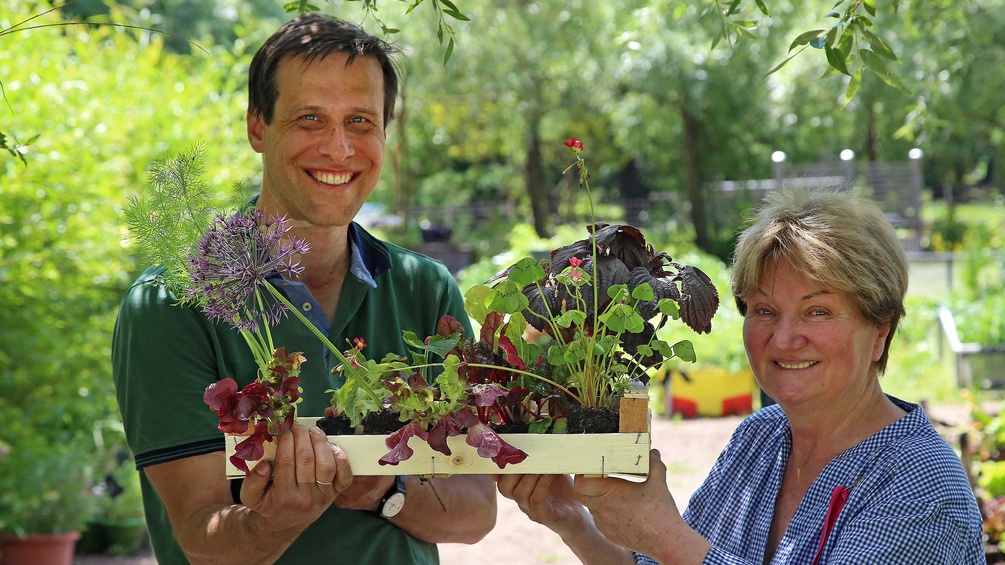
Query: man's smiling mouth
331, 178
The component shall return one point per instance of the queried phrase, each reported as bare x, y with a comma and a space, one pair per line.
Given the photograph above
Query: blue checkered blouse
910, 503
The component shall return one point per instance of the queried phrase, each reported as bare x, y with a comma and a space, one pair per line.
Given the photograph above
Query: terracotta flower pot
38, 549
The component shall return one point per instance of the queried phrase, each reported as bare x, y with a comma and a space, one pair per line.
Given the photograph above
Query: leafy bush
105, 103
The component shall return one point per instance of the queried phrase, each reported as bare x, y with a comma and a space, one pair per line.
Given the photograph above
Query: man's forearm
457, 509
233, 534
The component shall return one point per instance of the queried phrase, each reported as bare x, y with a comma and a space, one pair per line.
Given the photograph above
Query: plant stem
324, 339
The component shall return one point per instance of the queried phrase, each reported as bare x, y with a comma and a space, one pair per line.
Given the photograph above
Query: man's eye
309, 118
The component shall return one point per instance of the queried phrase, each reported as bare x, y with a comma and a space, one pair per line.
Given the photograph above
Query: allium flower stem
346, 366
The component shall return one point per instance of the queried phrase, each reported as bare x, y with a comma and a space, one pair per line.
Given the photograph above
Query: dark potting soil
582, 420
586, 420
374, 423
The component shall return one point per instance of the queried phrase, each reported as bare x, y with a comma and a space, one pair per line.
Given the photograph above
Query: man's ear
256, 130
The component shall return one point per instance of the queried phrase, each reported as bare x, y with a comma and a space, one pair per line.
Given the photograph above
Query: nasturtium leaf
685, 351
506, 298
643, 292
571, 318
645, 350
622, 318
526, 271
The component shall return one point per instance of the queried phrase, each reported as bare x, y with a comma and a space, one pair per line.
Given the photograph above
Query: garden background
671, 99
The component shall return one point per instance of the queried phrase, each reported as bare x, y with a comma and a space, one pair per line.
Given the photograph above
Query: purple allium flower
231, 264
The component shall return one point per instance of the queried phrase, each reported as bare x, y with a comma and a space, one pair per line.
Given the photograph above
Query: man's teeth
802, 365
332, 178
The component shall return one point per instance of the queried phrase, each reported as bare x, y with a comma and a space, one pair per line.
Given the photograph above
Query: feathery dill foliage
166, 222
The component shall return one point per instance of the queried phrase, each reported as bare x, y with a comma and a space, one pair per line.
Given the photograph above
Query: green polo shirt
164, 356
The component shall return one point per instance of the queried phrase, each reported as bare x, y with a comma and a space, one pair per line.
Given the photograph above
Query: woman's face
808, 344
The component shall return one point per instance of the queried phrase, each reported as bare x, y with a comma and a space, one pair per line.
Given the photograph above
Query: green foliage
45, 488
107, 105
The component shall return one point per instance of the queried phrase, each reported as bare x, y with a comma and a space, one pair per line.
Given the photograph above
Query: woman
837, 471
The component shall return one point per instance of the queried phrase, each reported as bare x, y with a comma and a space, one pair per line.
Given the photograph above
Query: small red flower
360, 344
574, 144
575, 261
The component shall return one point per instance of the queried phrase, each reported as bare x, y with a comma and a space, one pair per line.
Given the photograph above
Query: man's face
323, 152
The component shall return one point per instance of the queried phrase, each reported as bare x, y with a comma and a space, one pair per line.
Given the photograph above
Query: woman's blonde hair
833, 238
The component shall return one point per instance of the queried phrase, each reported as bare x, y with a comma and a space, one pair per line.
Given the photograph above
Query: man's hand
307, 475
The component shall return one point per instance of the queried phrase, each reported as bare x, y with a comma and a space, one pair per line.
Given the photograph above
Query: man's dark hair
315, 36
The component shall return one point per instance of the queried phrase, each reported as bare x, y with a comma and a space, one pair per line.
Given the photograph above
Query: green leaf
475, 300
668, 307
663, 347
762, 7
853, 84
622, 318
449, 52
617, 291
441, 345
685, 351
506, 298
875, 64
570, 318
783, 63
526, 271
836, 60
870, 6
451, 10
643, 292
879, 46
805, 38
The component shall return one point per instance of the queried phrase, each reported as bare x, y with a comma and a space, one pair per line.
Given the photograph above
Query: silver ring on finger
323, 484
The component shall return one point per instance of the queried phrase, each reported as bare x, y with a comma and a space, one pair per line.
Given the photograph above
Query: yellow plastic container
712, 391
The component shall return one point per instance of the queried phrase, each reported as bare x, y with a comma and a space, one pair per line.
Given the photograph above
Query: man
321, 95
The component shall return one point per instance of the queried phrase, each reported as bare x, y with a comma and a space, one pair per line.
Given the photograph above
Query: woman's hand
550, 500
643, 516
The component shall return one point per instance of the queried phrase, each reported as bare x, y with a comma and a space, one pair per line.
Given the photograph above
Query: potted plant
45, 502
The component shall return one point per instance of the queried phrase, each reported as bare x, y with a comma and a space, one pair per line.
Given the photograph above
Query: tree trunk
694, 192
403, 183
534, 179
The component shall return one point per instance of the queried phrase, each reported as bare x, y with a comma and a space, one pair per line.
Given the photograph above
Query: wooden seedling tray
623, 453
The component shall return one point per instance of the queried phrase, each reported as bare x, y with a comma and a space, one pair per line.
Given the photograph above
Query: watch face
393, 505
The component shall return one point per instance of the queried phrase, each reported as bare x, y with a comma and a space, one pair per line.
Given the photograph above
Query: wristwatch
394, 500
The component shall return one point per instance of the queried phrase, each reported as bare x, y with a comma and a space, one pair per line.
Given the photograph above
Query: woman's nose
789, 334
